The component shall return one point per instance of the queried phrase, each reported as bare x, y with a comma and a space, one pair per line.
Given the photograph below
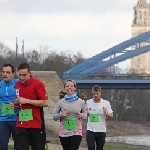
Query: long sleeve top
72, 108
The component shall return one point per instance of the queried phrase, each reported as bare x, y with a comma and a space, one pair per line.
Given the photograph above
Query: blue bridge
86, 74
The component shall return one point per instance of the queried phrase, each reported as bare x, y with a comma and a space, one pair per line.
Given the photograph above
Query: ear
13, 74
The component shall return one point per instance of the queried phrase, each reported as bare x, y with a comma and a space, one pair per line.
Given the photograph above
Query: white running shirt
97, 108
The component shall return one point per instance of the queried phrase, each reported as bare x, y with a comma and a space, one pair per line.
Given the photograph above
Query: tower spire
142, 4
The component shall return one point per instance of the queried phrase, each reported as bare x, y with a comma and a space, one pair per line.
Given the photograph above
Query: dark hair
11, 66
75, 85
24, 66
96, 88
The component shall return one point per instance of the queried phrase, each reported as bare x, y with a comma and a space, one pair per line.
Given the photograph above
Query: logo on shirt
17, 93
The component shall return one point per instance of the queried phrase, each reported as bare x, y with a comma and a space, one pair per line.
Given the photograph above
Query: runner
31, 99
70, 110
7, 115
98, 110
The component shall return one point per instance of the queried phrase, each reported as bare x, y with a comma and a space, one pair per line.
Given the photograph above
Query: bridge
86, 74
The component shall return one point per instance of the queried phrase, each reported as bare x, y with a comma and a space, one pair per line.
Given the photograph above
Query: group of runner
21, 115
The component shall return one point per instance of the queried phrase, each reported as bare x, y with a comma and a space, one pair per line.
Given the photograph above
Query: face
70, 88
24, 75
7, 73
96, 95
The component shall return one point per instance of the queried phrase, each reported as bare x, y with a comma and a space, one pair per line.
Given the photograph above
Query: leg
75, 141
100, 140
4, 135
14, 136
65, 142
90, 139
36, 138
23, 139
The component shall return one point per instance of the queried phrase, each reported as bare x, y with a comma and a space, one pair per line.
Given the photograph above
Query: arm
57, 113
83, 115
39, 103
14, 104
108, 111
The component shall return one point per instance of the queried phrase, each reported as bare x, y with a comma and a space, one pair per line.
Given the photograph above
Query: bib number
6, 110
25, 115
70, 124
94, 117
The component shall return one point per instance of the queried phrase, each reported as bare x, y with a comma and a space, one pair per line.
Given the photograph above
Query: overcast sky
88, 26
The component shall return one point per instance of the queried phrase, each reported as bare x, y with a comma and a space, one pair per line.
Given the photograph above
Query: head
70, 87
8, 72
24, 72
96, 90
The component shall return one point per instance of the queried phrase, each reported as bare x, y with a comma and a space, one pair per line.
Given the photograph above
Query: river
131, 139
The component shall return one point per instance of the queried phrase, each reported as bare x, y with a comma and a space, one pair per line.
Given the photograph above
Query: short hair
9, 65
96, 88
75, 85
24, 66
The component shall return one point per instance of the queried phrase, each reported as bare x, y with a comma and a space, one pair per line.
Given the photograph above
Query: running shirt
96, 117
34, 90
8, 94
72, 109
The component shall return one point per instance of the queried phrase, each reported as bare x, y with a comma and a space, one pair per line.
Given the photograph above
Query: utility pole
23, 50
16, 53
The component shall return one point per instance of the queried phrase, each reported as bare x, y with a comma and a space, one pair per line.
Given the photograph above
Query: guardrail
107, 76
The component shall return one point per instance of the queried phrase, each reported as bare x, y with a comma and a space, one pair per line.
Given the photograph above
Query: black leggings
71, 142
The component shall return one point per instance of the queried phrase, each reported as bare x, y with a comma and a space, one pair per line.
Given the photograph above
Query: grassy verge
84, 145
105, 147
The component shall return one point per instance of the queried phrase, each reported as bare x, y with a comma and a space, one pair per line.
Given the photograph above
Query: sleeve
57, 113
109, 110
84, 112
41, 91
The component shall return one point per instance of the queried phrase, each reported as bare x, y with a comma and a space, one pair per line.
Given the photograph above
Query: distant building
141, 23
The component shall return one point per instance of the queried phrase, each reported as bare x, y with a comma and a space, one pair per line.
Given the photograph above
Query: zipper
7, 89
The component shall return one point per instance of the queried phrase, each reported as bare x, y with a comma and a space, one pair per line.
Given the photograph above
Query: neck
97, 101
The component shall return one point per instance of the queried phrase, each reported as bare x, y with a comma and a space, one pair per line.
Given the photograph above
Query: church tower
141, 24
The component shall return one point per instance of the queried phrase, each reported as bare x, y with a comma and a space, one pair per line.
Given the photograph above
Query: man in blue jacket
7, 114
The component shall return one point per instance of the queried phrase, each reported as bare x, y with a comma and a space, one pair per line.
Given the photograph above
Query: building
141, 23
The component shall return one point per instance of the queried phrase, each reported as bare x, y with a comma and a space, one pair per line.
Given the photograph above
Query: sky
87, 26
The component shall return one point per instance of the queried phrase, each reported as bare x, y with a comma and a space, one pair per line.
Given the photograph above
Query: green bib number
6, 110
94, 117
25, 115
70, 124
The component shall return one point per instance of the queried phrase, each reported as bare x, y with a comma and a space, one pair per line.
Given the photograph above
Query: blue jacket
7, 94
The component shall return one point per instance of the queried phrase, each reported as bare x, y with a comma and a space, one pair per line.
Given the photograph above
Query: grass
84, 145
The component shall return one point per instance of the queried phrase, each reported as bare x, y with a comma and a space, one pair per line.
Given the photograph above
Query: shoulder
89, 101
81, 101
38, 83
106, 101
15, 80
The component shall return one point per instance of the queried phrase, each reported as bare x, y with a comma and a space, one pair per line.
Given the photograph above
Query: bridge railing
108, 76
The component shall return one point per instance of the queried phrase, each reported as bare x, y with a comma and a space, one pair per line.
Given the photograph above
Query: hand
87, 111
64, 112
12, 104
79, 115
22, 100
104, 110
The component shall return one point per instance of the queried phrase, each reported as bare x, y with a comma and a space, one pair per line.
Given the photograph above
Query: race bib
94, 117
6, 110
25, 115
70, 124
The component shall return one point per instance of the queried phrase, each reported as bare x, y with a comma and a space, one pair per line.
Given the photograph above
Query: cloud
89, 26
